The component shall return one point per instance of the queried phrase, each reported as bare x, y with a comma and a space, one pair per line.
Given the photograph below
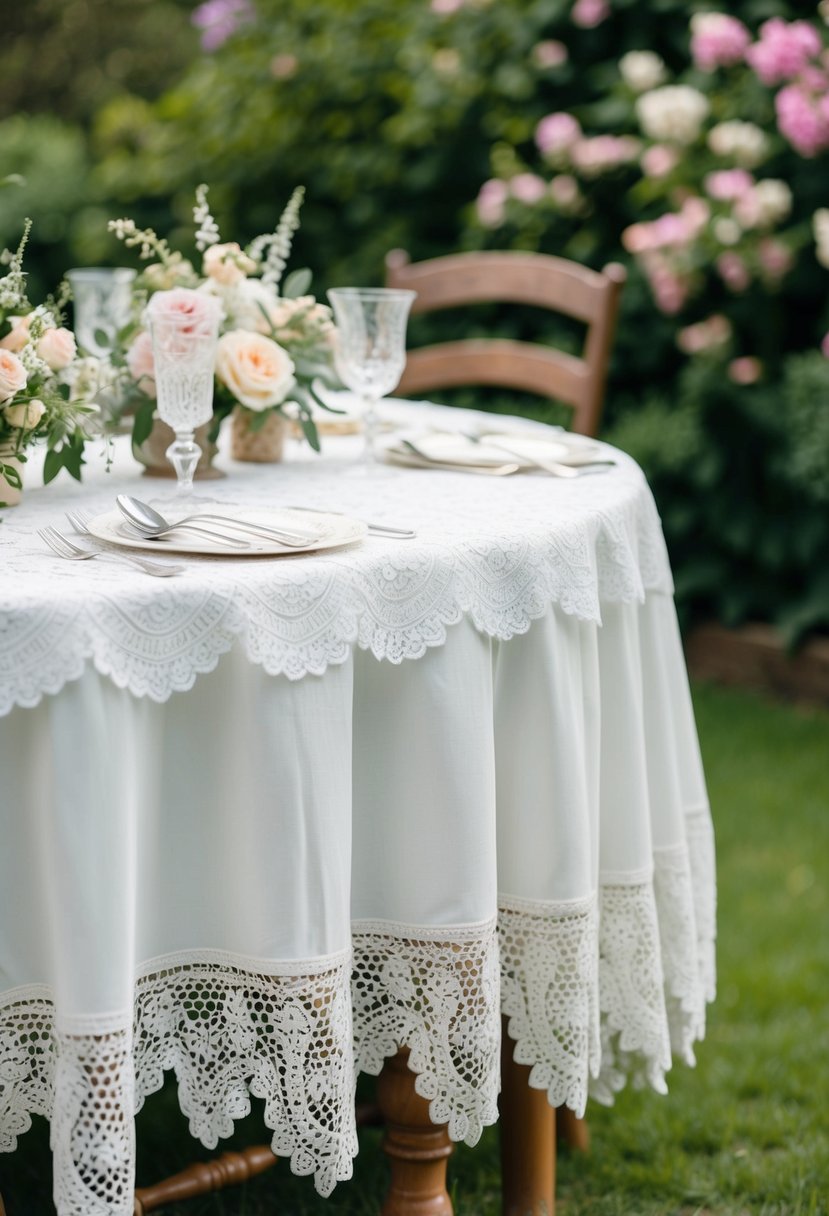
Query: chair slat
562, 286
519, 365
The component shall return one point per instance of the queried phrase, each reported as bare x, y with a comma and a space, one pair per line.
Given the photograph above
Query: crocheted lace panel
597, 992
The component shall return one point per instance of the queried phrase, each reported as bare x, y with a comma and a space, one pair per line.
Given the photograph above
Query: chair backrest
567, 288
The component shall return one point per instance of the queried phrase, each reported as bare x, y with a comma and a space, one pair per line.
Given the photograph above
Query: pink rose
191, 309
141, 363
57, 348
728, 184
802, 120
528, 188
18, 336
717, 40
26, 416
227, 264
564, 191
704, 335
746, 370
181, 321
670, 290
258, 372
783, 50
824, 346
659, 160
556, 133
637, 238
13, 375
490, 203
587, 14
733, 271
549, 54
446, 6
776, 259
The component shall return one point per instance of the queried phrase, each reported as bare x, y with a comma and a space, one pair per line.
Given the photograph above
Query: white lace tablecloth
246, 840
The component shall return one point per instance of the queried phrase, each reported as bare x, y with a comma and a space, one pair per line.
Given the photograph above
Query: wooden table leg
528, 1142
572, 1130
416, 1148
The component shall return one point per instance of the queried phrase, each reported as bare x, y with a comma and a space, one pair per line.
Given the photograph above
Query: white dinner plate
492, 448
332, 530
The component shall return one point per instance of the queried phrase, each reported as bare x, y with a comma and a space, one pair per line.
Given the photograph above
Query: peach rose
227, 264
141, 363
57, 348
19, 335
25, 417
258, 372
12, 375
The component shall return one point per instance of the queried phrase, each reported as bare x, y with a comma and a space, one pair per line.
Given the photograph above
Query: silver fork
72, 551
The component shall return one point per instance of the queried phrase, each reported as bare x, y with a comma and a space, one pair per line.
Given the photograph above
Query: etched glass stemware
102, 299
184, 328
370, 350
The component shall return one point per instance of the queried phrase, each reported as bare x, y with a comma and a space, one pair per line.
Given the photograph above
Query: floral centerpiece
45, 389
275, 338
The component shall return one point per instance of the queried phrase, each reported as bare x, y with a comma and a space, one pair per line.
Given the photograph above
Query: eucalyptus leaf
12, 476
52, 464
142, 423
297, 283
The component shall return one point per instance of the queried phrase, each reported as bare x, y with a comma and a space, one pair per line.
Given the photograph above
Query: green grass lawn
746, 1133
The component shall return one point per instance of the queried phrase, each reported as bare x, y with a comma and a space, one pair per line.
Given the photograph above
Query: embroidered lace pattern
499, 554
440, 999
600, 994
549, 994
225, 1030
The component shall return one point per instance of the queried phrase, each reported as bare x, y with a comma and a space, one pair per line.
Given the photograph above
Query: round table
268, 821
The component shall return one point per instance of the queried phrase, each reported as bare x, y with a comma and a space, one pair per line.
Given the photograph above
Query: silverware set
142, 521
81, 551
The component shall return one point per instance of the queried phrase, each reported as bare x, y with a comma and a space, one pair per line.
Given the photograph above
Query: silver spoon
153, 525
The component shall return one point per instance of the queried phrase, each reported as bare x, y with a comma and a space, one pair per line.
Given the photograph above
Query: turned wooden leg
204, 1177
572, 1130
416, 1148
528, 1143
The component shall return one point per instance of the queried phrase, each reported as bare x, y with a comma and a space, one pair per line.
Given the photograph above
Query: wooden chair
565, 287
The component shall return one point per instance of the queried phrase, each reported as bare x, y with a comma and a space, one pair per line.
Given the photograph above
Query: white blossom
642, 70
675, 113
273, 249
743, 142
820, 227
207, 230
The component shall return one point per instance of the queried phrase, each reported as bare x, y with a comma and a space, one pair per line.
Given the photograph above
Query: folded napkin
493, 448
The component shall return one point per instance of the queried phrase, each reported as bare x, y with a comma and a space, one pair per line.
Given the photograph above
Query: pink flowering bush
690, 141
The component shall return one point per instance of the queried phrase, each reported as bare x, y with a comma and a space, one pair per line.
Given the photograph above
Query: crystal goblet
184, 329
102, 298
370, 350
